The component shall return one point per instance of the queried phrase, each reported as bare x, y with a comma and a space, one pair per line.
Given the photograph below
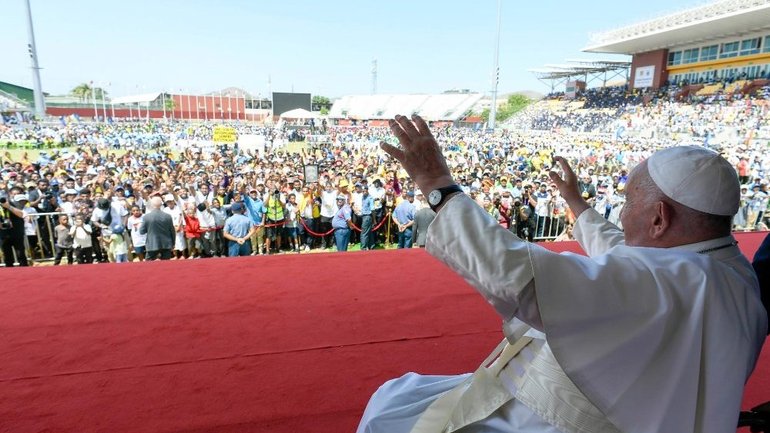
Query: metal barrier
549, 228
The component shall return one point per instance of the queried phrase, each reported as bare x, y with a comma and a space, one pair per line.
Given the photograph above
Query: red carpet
268, 344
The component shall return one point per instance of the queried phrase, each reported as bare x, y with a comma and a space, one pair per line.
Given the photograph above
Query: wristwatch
437, 196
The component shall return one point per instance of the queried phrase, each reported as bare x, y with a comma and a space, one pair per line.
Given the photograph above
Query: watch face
434, 198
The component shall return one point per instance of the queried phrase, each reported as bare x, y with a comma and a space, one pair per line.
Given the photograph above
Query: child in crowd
63, 240
81, 239
138, 240
117, 245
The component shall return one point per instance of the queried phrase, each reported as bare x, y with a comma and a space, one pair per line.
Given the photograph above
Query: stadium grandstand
375, 109
723, 40
14, 99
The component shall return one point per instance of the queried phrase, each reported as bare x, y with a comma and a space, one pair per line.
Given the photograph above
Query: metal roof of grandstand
135, 99
444, 106
691, 26
579, 68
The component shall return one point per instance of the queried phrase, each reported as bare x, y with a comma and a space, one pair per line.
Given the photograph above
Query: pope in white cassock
657, 330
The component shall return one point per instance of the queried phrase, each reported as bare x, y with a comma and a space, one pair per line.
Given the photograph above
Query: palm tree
83, 91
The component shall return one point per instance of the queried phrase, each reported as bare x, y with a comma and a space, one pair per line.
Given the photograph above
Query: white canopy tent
298, 113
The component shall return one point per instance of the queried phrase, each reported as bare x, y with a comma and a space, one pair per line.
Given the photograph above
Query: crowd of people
339, 188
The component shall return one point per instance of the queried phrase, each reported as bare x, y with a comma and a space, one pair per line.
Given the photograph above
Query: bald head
156, 203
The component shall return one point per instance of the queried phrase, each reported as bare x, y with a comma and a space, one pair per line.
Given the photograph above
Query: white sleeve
595, 234
487, 256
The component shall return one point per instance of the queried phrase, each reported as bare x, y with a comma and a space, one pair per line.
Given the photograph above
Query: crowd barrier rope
356, 228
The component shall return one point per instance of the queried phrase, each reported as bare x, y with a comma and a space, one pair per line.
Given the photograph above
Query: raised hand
420, 154
568, 186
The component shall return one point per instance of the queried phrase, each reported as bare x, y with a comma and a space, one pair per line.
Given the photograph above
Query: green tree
85, 92
82, 91
513, 105
319, 103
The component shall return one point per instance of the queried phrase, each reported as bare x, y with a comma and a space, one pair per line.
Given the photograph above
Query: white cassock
651, 340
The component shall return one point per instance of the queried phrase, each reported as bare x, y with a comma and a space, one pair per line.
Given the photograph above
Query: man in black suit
159, 229
761, 265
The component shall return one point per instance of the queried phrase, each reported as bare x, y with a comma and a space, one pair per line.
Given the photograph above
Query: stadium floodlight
496, 71
37, 86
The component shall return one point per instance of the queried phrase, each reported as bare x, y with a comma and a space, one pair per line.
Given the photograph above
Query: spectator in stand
134, 224
238, 230
403, 216
116, 244
367, 208
12, 228
342, 223
422, 220
218, 241
274, 221
81, 236
178, 220
291, 227
192, 232
256, 208
158, 227
329, 208
63, 240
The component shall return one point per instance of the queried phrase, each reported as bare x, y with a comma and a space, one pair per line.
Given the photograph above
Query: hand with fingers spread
419, 153
568, 186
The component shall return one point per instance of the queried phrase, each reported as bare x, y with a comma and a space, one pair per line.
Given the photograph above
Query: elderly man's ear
662, 219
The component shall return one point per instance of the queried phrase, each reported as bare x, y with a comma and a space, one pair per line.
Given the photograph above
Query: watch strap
445, 192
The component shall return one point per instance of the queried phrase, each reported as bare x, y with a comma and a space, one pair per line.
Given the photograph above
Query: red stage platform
268, 344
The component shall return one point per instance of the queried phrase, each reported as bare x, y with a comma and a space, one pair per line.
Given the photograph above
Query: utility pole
38, 87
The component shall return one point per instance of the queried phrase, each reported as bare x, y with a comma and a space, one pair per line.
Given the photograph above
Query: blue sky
321, 47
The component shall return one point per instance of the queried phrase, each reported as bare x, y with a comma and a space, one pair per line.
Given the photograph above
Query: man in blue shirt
256, 208
342, 223
238, 229
403, 216
367, 205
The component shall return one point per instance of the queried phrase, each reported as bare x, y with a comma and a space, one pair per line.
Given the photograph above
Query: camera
3, 200
5, 224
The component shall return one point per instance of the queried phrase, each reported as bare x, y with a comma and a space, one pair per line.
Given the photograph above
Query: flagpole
229, 106
93, 100
238, 107
104, 104
496, 77
112, 103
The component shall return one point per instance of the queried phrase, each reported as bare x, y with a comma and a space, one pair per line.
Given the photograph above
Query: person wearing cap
12, 227
355, 203
656, 330
403, 216
342, 223
158, 227
238, 230
256, 212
